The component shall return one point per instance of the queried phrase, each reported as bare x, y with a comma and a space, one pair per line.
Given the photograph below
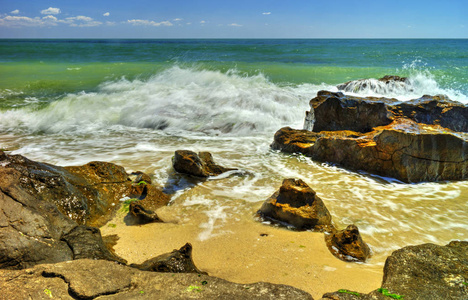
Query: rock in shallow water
412, 141
347, 244
199, 165
296, 204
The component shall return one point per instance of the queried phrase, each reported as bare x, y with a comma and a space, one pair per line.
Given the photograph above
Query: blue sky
233, 19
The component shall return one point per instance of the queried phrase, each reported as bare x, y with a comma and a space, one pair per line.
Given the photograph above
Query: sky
233, 19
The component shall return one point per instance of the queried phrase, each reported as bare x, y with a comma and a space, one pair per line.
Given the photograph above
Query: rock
34, 231
296, 204
201, 165
178, 261
140, 177
348, 245
99, 279
46, 210
384, 85
87, 242
427, 271
336, 111
408, 151
150, 199
87, 194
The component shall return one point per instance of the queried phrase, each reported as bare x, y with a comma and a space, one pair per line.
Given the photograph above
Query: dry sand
245, 250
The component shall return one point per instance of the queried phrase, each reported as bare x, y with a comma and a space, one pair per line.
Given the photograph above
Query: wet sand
244, 250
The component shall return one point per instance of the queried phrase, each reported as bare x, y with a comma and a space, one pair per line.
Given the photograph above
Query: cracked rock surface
425, 272
109, 280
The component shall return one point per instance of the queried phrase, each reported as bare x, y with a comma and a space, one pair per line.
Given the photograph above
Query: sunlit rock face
419, 140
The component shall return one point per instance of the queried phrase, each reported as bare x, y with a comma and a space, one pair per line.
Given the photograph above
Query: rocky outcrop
296, 204
47, 211
199, 165
178, 261
88, 194
407, 151
425, 271
98, 279
385, 137
33, 229
347, 244
336, 111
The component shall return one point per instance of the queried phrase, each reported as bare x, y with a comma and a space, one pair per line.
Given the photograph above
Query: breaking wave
197, 100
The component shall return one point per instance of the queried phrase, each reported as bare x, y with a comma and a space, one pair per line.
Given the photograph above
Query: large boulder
99, 279
347, 244
33, 230
405, 150
426, 272
88, 194
337, 111
199, 165
48, 212
296, 204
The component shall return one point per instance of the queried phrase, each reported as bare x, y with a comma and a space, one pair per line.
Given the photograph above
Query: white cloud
48, 20
177, 19
188, 23
110, 23
51, 11
202, 22
15, 12
81, 21
266, 13
106, 14
235, 25
138, 22
16, 21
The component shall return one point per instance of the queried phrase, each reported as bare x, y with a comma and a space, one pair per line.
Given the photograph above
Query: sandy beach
245, 251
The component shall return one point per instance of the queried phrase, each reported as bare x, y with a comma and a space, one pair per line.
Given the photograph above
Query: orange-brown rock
337, 111
296, 204
150, 198
419, 140
347, 244
199, 165
405, 150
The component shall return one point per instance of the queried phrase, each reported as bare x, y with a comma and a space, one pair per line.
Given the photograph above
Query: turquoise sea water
134, 102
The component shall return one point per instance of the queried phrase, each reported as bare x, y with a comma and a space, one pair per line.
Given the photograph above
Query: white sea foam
418, 83
174, 100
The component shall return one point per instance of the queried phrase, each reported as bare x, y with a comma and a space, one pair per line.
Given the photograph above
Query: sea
134, 102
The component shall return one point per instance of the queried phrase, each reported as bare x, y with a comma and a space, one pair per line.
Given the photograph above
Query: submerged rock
347, 244
178, 261
98, 279
404, 140
427, 271
384, 85
199, 165
296, 204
